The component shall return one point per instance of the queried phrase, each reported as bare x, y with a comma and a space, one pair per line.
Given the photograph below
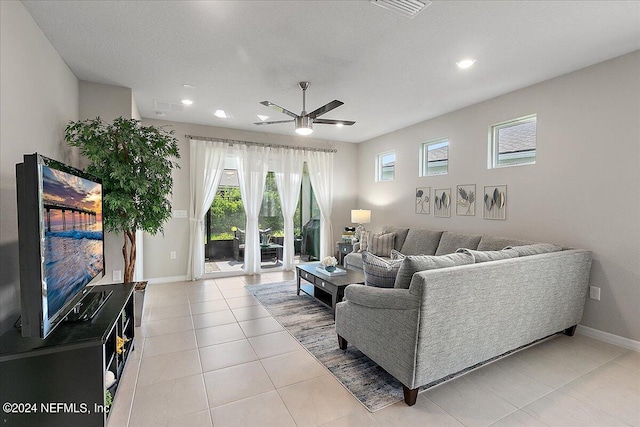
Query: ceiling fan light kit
304, 122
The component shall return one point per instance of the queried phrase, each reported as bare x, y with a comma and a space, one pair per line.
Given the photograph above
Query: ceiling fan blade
278, 108
333, 122
325, 108
274, 122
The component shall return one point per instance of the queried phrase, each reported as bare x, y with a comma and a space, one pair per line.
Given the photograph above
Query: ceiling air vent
167, 106
408, 8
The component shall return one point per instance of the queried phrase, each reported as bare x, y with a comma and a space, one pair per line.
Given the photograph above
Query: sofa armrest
392, 299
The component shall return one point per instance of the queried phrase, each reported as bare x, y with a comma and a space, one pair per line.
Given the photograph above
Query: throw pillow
382, 244
365, 236
396, 255
378, 271
414, 263
450, 242
485, 256
538, 248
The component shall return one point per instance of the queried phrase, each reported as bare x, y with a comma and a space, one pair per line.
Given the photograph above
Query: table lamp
360, 216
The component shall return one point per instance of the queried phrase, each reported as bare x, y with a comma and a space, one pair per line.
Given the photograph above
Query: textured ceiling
390, 71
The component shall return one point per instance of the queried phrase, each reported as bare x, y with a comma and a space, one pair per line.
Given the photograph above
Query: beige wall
157, 263
39, 97
107, 102
582, 191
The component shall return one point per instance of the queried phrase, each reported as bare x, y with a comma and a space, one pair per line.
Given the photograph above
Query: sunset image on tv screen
73, 244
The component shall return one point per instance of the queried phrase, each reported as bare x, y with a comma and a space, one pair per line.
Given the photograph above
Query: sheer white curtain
206, 168
252, 173
321, 176
287, 166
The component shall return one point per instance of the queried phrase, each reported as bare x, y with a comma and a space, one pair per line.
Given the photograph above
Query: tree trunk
129, 255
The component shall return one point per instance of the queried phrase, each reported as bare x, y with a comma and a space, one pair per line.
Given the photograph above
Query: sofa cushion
414, 263
401, 235
451, 242
485, 256
494, 243
379, 272
365, 236
421, 242
538, 248
396, 255
381, 244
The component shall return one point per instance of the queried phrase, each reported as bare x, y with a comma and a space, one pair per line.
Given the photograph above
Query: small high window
434, 157
386, 166
513, 143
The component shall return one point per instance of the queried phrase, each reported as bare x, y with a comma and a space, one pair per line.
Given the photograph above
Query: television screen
60, 239
72, 210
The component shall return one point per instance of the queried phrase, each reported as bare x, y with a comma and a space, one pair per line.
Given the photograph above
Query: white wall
39, 96
157, 262
582, 191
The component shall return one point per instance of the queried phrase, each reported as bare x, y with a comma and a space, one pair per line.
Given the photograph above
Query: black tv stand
88, 306
63, 375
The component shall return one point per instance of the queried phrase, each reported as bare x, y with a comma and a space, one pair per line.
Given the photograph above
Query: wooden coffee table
329, 290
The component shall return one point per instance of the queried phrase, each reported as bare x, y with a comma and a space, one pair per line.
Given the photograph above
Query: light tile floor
208, 354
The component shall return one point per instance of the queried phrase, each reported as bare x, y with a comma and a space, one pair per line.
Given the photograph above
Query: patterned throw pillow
396, 255
415, 263
382, 244
378, 271
365, 236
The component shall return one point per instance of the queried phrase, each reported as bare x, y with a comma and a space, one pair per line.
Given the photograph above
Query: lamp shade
361, 216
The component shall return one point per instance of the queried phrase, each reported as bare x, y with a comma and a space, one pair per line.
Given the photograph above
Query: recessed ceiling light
221, 114
465, 63
339, 125
263, 118
189, 86
187, 101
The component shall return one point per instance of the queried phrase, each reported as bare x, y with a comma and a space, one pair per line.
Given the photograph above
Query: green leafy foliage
135, 165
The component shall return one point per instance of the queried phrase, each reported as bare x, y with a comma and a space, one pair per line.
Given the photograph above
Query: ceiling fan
304, 122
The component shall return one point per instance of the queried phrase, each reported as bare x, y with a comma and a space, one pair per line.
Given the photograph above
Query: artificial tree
135, 165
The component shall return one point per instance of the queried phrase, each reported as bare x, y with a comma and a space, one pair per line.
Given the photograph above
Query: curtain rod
261, 144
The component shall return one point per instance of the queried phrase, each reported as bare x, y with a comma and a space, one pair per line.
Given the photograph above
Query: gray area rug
312, 324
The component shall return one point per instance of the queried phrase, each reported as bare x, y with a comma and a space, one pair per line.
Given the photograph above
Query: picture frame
423, 200
466, 200
442, 203
495, 202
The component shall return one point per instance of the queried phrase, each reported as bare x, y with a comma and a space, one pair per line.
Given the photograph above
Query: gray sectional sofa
454, 318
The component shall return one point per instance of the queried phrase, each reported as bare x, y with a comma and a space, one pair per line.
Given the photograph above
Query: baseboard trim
610, 338
168, 279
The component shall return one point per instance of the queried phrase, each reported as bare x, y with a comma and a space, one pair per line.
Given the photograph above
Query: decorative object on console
137, 185
360, 216
466, 200
423, 197
495, 202
442, 203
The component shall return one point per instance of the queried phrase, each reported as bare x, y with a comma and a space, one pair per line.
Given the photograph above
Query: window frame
424, 157
494, 144
379, 167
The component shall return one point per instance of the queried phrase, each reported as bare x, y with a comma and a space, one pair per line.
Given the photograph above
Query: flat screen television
61, 241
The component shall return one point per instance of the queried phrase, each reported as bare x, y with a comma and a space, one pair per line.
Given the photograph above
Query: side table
343, 249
